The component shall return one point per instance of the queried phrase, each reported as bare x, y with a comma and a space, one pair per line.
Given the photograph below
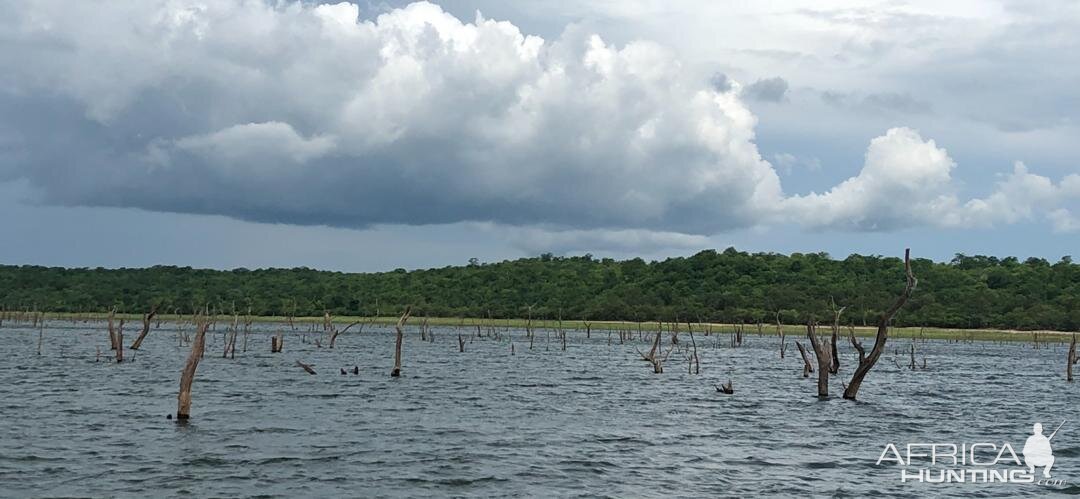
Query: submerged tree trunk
397, 343
807, 366
1070, 359
149, 316
187, 376
823, 353
866, 362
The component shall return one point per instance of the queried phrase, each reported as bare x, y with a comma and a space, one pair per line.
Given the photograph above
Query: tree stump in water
400, 327
807, 367
187, 376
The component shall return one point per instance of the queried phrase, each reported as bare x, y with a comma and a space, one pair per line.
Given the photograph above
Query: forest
720, 286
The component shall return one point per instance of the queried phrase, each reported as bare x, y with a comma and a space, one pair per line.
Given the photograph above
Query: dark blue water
591, 421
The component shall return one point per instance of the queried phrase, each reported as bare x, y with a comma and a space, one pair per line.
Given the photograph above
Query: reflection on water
591, 421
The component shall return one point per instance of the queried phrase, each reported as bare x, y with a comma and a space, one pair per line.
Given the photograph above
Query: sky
376, 135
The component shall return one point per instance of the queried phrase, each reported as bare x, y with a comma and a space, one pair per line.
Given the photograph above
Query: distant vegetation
729, 286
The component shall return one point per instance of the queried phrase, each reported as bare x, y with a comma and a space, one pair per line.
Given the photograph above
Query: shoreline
793, 330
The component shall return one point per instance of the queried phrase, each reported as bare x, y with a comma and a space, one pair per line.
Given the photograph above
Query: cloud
904, 181
295, 113
768, 90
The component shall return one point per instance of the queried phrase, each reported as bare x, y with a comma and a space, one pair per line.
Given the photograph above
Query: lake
591, 421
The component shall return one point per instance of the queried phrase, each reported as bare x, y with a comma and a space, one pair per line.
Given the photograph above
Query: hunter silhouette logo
979, 462
1037, 450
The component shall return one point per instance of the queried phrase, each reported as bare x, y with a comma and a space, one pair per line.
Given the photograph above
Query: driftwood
147, 317
397, 342
306, 367
1070, 359
866, 362
807, 366
187, 376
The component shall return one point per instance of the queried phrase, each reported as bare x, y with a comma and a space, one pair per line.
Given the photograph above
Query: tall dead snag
112, 329
147, 317
834, 367
823, 353
187, 376
807, 366
397, 343
120, 342
277, 341
866, 362
1069, 360
693, 360
780, 332
461, 343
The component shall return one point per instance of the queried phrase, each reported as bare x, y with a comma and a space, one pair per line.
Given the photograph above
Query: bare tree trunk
1070, 359
397, 344
824, 359
112, 329
866, 362
187, 376
780, 332
461, 343
120, 342
807, 366
834, 368
149, 316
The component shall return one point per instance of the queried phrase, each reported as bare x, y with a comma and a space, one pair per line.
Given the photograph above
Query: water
591, 421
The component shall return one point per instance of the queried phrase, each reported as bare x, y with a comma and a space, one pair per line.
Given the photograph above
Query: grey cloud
768, 89
298, 113
720, 82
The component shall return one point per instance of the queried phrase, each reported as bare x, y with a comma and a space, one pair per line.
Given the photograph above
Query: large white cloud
304, 114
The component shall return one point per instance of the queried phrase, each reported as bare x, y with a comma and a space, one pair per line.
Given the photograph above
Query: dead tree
397, 343
653, 357
461, 343
726, 388
112, 329
277, 342
807, 366
120, 342
334, 332
834, 367
694, 362
866, 362
1070, 359
147, 317
780, 332
187, 376
824, 354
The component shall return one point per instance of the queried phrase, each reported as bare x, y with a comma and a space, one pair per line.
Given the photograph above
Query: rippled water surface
591, 421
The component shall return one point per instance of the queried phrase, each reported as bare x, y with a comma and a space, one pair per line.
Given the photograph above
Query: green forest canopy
729, 286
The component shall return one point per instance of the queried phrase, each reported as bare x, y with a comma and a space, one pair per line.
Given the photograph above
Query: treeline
730, 286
